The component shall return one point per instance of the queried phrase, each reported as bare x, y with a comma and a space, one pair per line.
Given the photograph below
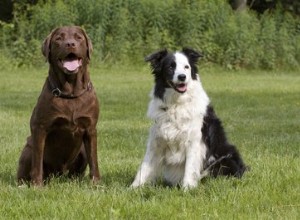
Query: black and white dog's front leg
195, 155
149, 169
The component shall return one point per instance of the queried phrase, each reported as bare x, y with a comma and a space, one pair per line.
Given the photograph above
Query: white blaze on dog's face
182, 72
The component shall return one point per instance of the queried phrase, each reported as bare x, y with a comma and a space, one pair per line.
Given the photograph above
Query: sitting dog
187, 140
63, 123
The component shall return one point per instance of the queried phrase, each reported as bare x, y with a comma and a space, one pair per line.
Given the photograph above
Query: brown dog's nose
70, 44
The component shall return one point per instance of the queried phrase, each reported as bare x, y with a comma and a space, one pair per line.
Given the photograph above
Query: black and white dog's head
173, 70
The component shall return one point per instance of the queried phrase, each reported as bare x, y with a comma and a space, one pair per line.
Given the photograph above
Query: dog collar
56, 92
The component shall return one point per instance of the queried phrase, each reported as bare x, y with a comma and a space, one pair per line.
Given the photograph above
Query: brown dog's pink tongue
71, 65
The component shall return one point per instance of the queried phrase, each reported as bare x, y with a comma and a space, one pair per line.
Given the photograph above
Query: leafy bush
127, 30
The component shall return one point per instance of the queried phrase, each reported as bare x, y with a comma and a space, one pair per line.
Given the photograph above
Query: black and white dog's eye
186, 67
172, 66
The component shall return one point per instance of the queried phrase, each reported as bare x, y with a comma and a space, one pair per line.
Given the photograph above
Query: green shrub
127, 30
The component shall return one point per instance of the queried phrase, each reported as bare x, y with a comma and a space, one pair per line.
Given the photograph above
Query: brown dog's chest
71, 124
73, 116
67, 115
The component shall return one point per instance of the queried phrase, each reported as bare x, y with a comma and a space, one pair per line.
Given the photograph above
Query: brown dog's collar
58, 93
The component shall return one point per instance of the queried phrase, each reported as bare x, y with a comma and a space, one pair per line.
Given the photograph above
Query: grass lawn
260, 112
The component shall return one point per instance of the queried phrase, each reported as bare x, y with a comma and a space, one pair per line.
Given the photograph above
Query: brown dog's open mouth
71, 63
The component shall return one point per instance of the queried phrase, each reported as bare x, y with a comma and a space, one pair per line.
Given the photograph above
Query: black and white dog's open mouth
179, 87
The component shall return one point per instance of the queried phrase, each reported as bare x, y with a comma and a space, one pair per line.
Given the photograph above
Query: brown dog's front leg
38, 137
90, 144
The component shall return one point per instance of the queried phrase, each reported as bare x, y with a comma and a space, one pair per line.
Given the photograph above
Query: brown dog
63, 123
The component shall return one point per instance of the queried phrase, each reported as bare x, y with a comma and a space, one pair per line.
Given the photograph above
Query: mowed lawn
260, 112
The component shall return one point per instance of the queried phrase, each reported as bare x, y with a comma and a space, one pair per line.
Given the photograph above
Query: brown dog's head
67, 48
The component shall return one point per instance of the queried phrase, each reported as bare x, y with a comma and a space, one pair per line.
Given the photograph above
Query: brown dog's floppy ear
156, 57
90, 47
88, 43
46, 45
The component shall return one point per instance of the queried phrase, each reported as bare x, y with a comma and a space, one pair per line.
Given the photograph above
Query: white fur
182, 67
175, 146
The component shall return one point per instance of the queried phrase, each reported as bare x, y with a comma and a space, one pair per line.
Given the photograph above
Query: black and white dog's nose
181, 77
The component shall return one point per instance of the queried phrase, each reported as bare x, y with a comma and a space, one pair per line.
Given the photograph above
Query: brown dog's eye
60, 36
78, 37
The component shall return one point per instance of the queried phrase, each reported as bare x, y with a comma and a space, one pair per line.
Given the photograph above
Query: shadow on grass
117, 177
8, 178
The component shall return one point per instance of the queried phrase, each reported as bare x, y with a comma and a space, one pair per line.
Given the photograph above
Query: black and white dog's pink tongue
181, 87
71, 65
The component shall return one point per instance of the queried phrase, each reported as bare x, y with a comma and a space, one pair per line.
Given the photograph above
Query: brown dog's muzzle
71, 63
71, 58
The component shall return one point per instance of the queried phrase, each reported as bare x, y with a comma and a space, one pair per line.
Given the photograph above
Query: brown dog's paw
23, 185
95, 180
37, 183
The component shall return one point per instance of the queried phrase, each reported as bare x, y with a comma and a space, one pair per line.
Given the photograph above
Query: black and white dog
187, 140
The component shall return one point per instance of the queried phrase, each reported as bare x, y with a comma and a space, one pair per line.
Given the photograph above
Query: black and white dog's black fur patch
187, 140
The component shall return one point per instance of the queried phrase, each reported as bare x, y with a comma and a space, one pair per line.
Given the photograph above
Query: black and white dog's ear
155, 58
193, 55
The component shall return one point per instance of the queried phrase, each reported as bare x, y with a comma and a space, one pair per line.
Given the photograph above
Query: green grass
260, 112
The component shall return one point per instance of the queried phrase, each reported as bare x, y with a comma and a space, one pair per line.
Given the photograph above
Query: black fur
228, 160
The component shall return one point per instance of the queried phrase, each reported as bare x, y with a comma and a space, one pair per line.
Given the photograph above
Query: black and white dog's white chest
177, 124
